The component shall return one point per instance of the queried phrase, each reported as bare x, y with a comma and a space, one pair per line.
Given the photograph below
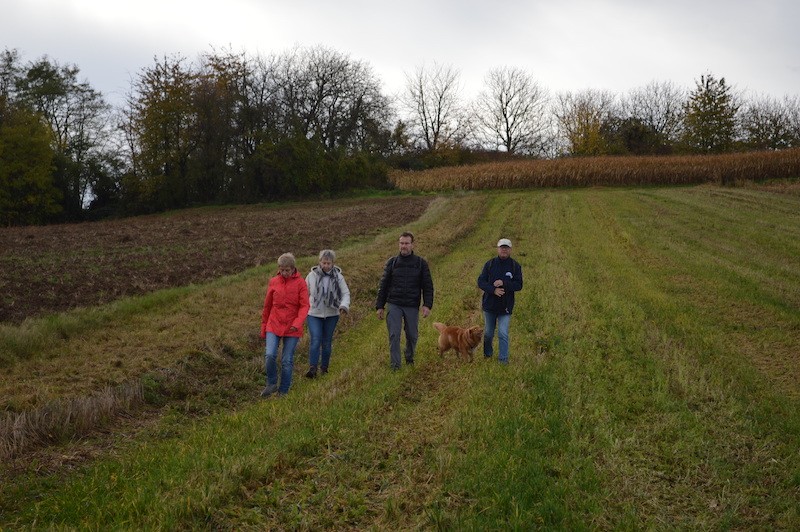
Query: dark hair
408, 234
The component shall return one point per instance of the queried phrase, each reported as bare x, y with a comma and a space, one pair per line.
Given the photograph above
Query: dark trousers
397, 319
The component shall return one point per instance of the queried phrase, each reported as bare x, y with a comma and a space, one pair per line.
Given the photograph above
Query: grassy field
654, 383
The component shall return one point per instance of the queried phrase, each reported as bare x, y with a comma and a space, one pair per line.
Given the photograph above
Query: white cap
504, 242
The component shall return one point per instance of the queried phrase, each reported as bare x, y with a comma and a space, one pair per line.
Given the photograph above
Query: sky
566, 45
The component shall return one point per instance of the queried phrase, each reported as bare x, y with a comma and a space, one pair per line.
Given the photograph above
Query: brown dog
460, 339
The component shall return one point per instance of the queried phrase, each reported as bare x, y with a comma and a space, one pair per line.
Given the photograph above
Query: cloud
568, 45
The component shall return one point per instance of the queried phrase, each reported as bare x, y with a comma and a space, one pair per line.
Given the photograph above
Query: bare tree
792, 106
766, 124
10, 73
659, 106
330, 97
432, 100
512, 112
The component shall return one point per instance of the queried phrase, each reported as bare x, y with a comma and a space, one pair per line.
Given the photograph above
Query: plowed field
56, 268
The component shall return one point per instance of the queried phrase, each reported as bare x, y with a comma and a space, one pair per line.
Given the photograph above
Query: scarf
329, 293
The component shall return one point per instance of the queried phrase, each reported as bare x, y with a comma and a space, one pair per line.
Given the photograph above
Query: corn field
606, 171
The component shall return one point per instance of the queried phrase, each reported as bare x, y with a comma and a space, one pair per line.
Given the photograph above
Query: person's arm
266, 312
427, 286
344, 304
515, 283
484, 281
302, 311
383, 286
311, 284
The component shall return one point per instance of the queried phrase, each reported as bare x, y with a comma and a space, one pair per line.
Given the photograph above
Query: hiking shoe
312, 372
269, 390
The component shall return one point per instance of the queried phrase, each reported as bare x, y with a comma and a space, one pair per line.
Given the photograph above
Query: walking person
329, 298
499, 280
406, 282
285, 309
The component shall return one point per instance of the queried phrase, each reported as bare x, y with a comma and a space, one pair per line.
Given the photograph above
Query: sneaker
312, 372
323, 370
269, 390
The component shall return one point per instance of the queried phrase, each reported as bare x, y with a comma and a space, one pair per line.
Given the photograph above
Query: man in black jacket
500, 278
406, 282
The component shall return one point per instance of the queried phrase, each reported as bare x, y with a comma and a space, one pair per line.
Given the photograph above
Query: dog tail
439, 326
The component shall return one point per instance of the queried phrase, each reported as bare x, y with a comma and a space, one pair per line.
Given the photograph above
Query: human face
503, 252
326, 265
285, 271
406, 245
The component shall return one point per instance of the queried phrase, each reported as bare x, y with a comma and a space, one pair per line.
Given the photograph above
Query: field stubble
629, 402
103, 354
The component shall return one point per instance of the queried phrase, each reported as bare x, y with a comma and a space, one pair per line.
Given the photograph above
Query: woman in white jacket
329, 298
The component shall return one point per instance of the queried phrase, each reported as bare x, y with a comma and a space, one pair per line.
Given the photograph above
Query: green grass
653, 384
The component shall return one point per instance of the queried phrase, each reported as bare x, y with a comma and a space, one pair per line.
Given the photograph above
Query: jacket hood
316, 269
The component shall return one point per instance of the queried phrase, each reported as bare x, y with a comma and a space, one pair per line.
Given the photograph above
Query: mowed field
654, 383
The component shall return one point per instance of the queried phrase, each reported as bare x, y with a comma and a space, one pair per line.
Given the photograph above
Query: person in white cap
500, 278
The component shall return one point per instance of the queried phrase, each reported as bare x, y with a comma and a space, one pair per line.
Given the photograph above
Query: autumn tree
159, 127
78, 118
709, 124
511, 112
580, 118
27, 193
219, 104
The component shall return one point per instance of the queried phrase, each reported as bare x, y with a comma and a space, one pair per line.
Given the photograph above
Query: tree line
234, 128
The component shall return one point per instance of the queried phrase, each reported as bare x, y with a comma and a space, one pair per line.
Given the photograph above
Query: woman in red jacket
285, 310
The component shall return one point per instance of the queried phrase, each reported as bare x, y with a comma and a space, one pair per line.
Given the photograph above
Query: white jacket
318, 309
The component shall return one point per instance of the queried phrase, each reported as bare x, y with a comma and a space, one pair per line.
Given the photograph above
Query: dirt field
55, 268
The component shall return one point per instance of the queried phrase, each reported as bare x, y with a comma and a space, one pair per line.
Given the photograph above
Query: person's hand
342, 311
292, 329
425, 312
380, 313
499, 292
498, 283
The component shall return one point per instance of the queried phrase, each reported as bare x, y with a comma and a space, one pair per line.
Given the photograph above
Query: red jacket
285, 305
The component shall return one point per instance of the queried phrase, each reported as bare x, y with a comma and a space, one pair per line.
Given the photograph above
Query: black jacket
510, 272
405, 282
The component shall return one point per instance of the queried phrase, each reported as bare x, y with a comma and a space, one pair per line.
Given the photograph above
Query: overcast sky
567, 45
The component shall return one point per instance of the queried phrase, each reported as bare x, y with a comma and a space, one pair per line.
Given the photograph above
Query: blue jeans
287, 360
501, 322
321, 343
